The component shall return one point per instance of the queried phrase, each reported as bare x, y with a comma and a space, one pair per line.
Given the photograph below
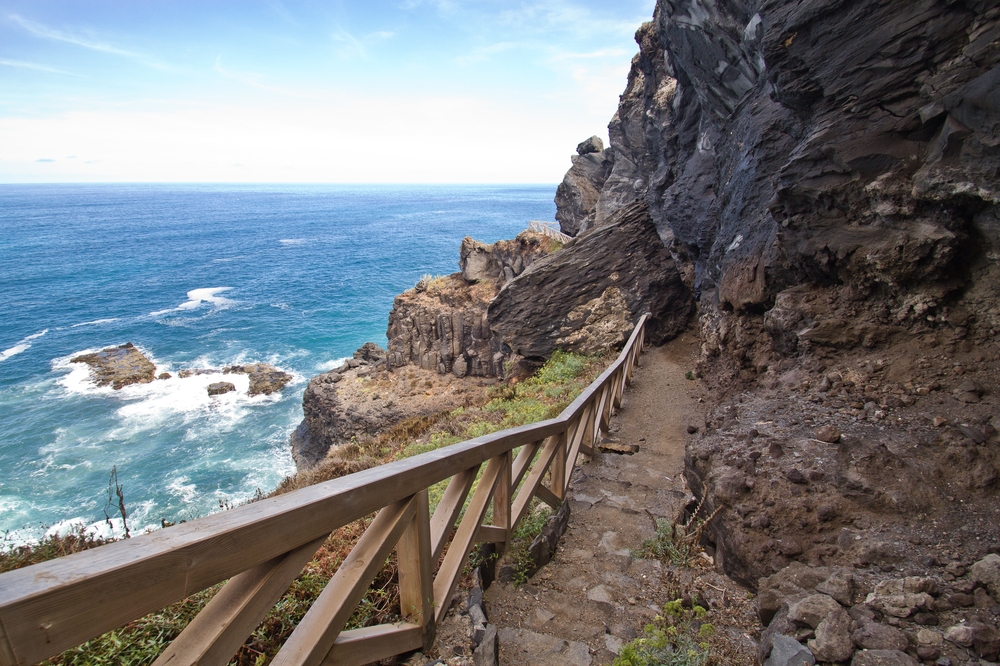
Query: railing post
501, 499
557, 471
416, 581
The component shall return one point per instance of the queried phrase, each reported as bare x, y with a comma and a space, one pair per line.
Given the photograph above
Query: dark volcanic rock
443, 328
576, 196
221, 388
264, 378
118, 366
588, 295
504, 260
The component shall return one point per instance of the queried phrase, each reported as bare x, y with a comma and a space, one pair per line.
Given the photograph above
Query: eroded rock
576, 295
118, 366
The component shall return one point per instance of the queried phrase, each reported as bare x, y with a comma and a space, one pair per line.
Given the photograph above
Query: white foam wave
292, 241
22, 346
179, 487
196, 297
326, 366
14, 351
96, 322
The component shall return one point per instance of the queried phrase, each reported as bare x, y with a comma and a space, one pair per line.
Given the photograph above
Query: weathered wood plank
491, 534
465, 535
363, 646
557, 470
218, 631
316, 633
523, 500
523, 462
547, 496
448, 509
416, 575
501, 499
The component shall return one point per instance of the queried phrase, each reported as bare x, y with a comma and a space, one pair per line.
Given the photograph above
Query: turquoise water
197, 276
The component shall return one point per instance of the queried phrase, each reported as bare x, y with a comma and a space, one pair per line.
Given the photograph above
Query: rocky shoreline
125, 364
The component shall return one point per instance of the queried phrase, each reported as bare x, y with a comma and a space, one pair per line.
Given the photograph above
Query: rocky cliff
826, 176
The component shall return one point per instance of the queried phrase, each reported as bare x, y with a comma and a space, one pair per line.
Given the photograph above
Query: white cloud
53, 34
35, 66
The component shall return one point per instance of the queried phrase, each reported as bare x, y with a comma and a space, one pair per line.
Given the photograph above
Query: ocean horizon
197, 276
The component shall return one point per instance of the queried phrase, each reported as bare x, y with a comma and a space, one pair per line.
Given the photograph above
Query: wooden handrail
262, 547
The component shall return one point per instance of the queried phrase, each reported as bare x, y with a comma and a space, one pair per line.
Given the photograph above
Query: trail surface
594, 595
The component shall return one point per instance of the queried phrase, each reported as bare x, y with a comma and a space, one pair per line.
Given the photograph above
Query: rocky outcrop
221, 388
265, 379
503, 260
577, 195
118, 366
441, 326
360, 400
588, 295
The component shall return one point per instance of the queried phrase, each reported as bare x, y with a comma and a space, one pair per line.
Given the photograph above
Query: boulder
220, 388
370, 353
833, 637
265, 379
877, 636
789, 652
576, 196
883, 658
813, 610
592, 145
118, 366
794, 582
902, 597
987, 572
588, 295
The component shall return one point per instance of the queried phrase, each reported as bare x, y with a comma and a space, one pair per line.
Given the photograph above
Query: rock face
118, 366
504, 260
576, 196
588, 295
813, 142
442, 327
264, 378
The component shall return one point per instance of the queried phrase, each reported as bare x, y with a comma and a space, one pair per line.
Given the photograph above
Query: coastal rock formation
221, 388
265, 379
441, 326
587, 296
361, 400
576, 196
504, 260
118, 366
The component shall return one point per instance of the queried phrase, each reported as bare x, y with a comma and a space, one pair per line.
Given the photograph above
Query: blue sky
444, 91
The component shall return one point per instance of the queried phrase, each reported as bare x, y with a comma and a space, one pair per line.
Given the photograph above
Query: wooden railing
262, 547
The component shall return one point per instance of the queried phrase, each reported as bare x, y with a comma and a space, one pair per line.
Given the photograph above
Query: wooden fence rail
262, 547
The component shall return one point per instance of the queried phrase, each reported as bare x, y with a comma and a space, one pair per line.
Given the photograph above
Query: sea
196, 276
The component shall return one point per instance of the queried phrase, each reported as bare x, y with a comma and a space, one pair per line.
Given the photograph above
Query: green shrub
674, 638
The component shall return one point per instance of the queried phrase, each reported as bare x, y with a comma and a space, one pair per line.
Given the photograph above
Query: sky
362, 91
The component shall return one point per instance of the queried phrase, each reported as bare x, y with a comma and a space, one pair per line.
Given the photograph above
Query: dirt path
594, 595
